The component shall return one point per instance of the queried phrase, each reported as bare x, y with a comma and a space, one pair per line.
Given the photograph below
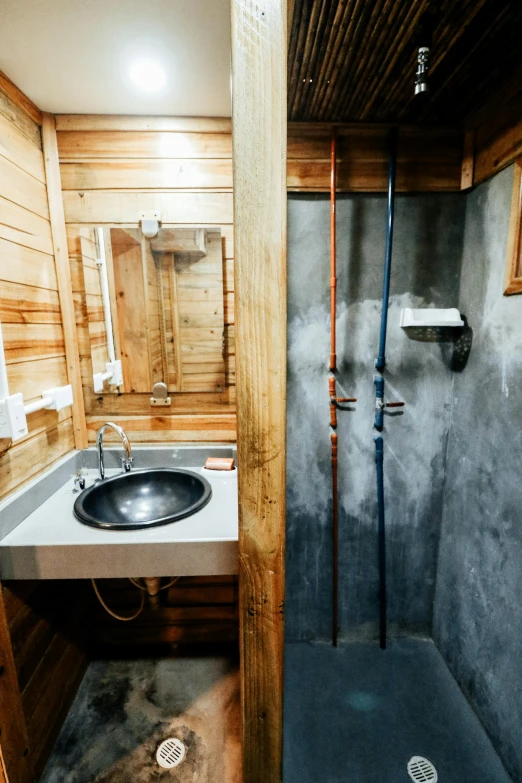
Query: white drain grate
170, 753
421, 770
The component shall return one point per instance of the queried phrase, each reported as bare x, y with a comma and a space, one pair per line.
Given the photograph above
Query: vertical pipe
335, 536
333, 251
379, 463
381, 359
379, 392
332, 389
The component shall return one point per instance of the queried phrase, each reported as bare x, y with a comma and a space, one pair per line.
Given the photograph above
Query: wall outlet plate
13, 421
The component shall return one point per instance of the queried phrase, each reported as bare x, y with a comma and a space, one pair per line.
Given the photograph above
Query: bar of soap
220, 463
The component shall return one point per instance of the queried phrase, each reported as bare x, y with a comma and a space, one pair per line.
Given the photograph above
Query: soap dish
431, 325
430, 317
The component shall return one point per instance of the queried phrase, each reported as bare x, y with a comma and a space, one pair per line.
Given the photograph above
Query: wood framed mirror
154, 307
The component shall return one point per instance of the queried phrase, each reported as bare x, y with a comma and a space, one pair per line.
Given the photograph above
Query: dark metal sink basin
142, 498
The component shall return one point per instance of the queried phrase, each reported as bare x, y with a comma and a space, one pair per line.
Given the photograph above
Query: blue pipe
381, 359
378, 421
379, 392
379, 463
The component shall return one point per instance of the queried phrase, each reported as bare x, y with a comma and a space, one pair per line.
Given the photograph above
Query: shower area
448, 687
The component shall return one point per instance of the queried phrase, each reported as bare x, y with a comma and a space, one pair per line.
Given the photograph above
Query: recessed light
148, 75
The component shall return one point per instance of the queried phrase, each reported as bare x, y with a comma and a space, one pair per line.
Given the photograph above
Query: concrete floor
354, 714
357, 714
124, 709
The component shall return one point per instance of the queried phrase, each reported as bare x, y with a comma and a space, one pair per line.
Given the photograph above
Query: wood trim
259, 139
499, 140
290, 16
3, 771
12, 720
513, 281
428, 159
63, 274
118, 122
19, 98
468, 160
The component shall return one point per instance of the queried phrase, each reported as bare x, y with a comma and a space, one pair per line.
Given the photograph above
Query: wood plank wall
428, 159
39, 617
48, 637
193, 611
29, 304
113, 167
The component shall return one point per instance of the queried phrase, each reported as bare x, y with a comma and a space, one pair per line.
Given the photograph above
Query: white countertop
51, 543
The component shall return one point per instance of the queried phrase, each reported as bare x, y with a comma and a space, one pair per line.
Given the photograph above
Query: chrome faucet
126, 461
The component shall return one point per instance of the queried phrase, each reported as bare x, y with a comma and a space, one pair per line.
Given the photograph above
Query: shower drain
171, 752
421, 770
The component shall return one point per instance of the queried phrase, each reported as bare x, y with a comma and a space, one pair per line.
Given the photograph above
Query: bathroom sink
142, 498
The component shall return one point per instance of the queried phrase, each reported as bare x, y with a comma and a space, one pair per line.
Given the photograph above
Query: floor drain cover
421, 770
171, 752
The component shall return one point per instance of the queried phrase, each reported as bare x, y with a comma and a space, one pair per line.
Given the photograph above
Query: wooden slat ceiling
355, 60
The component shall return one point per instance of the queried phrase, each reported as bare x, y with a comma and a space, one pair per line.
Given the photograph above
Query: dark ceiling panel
355, 60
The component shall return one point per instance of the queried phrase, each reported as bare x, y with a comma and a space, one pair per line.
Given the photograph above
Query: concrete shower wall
478, 604
426, 271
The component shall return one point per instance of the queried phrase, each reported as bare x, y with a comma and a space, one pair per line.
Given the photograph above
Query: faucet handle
79, 481
126, 464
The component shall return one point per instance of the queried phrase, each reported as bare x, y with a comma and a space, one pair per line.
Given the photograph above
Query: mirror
155, 306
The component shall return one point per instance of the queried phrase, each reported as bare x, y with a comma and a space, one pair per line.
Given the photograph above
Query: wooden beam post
63, 274
259, 87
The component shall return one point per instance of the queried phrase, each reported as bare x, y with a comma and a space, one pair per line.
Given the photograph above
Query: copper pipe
332, 388
333, 409
333, 256
335, 514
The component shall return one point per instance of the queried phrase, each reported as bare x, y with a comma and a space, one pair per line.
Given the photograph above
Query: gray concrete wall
478, 605
427, 256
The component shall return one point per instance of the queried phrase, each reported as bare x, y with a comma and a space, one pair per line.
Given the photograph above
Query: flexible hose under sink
136, 583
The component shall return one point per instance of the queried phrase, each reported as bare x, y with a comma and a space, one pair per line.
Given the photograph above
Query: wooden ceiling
355, 60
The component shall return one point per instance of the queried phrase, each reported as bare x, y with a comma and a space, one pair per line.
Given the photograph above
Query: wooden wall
193, 611
40, 660
111, 169
428, 159
29, 304
46, 622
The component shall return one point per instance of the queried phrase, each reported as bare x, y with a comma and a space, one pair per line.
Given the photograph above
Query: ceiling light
148, 76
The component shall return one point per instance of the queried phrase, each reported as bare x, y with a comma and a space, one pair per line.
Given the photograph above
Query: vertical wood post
63, 274
259, 46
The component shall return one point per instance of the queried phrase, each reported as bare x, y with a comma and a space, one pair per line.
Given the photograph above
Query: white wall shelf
429, 317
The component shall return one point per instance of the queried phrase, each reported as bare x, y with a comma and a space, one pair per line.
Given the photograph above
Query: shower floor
124, 709
358, 714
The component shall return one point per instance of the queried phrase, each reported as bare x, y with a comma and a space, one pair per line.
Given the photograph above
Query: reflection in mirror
156, 305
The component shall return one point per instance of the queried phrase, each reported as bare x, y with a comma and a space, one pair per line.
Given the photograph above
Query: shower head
423, 37
421, 77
